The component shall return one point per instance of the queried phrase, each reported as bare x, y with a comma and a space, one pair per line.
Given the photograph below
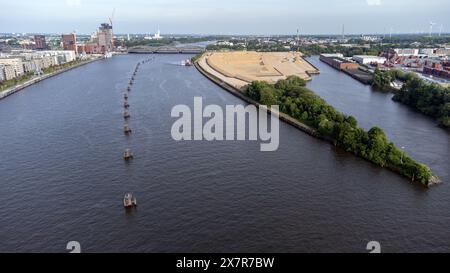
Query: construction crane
112, 27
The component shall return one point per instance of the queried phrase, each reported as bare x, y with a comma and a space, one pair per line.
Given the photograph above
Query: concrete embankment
17, 88
359, 75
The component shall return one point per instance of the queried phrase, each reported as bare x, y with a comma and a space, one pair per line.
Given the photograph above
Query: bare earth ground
240, 68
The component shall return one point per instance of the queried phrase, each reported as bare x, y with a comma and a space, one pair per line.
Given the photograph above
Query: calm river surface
62, 177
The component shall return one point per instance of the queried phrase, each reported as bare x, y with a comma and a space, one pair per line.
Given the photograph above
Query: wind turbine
431, 27
440, 30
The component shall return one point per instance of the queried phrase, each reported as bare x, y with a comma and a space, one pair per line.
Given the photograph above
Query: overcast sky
226, 16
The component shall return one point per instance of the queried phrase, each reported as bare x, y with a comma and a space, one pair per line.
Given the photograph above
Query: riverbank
21, 86
413, 170
429, 99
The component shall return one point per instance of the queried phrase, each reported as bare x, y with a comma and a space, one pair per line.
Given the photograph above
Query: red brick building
69, 42
40, 43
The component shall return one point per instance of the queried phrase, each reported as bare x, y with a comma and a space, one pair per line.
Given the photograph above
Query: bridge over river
189, 49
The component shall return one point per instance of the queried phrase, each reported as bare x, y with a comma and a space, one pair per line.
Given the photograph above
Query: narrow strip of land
306, 111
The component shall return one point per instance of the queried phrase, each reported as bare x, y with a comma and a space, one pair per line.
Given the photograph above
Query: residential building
15, 63
105, 38
7, 72
2, 73
40, 43
69, 42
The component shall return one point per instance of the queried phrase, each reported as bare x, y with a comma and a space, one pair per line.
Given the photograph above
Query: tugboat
127, 129
127, 155
126, 115
126, 105
129, 201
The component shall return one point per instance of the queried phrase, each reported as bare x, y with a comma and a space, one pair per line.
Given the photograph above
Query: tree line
302, 104
430, 99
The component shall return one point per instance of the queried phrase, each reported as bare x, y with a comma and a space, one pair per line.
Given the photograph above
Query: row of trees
431, 99
382, 79
301, 103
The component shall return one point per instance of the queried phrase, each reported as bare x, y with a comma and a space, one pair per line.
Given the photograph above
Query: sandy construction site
240, 68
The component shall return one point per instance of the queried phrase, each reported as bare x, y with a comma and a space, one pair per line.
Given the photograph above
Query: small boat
108, 55
127, 129
127, 155
126, 115
128, 88
129, 201
131, 82
126, 104
186, 63
125, 96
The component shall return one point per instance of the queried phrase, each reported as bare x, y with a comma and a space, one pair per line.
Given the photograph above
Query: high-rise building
105, 38
40, 43
69, 42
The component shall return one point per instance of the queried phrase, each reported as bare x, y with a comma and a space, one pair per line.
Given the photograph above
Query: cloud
73, 3
373, 2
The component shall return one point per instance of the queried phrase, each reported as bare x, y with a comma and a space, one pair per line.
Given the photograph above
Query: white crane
111, 21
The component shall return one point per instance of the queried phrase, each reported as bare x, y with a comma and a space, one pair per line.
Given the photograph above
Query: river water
62, 177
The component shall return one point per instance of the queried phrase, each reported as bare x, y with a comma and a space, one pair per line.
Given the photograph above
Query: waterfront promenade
36, 79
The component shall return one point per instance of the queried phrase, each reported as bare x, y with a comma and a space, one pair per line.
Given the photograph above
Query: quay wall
17, 88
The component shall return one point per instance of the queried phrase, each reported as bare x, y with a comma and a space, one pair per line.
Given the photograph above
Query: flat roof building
406, 52
2, 73
7, 72
337, 61
16, 64
366, 59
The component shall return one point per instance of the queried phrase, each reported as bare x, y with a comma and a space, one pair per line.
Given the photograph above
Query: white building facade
363, 59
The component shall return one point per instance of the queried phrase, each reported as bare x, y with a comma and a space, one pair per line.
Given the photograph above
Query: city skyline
230, 18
